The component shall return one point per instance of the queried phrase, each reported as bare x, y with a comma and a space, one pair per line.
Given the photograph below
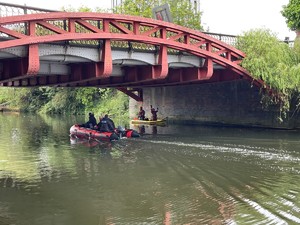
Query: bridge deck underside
67, 66
66, 49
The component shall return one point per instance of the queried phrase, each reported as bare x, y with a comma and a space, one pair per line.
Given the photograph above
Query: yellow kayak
161, 122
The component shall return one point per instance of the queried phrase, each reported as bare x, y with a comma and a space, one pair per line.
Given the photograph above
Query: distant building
195, 3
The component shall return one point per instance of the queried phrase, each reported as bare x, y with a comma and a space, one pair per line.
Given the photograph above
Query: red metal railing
109, 31
7, 9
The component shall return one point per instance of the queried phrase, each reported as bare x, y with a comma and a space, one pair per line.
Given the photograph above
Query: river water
171, 175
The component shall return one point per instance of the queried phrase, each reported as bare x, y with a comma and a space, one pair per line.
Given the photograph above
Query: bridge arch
188, 54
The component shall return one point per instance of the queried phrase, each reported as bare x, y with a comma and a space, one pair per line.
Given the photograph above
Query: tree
182, 11
82, 8
276, 64
291, 12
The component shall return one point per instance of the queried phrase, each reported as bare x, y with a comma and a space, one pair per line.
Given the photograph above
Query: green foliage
136, 8
87, 97
182, 11
48, 100
115, 104
82, 8
62, 101
275, 63
30, 99
185, 15
5, 94
291, 12
44, 99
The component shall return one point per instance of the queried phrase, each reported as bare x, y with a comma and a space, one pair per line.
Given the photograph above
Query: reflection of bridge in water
45, 48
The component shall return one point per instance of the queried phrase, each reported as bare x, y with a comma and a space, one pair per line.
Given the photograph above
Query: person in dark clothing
141, 114
111, 123
154, 113
103, 125
92, 121
106, 124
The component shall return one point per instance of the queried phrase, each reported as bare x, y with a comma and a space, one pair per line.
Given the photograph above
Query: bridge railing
7, 9
228, 39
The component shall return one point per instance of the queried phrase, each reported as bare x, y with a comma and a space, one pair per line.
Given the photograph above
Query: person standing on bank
154, 113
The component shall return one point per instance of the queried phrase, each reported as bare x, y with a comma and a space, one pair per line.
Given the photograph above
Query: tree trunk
297, 41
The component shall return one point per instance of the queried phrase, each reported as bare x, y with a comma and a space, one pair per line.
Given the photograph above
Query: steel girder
64, 27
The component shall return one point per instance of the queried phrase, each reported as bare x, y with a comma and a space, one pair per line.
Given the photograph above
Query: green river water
171, 175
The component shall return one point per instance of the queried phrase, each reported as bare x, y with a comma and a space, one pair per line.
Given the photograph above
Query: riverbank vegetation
50, 100
277, 64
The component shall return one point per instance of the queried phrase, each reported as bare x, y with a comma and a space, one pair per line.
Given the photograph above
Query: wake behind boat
81, 132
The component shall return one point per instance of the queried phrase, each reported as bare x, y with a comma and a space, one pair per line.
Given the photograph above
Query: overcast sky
219, 16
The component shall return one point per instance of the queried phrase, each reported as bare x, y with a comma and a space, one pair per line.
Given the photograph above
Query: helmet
121, 128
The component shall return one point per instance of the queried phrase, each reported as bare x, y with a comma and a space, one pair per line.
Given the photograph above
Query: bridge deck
44, 48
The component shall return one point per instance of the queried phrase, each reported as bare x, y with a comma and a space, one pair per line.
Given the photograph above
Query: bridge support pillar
230, 103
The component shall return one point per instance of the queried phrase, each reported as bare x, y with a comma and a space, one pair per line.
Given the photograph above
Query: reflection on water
170, 175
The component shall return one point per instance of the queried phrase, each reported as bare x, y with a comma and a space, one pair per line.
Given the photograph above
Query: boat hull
87, 133
162, 122
80, 132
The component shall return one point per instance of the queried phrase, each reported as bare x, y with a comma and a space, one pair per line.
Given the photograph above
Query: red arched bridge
76, 49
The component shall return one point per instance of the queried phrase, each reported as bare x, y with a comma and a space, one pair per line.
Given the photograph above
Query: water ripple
265, 212
266, 153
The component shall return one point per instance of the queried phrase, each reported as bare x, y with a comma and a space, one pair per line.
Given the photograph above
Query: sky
219, 16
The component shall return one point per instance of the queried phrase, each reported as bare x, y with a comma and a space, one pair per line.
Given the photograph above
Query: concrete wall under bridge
234, 103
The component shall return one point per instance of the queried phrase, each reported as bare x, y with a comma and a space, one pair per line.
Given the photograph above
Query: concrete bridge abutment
233, 103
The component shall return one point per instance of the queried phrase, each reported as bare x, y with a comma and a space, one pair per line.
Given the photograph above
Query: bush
275, 63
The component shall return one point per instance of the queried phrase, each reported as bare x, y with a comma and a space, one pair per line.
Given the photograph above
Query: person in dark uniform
92, 121
141, 114
154, 113
106, 124
111, 124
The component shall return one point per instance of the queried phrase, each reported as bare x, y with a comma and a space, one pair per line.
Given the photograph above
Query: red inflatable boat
81, 132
